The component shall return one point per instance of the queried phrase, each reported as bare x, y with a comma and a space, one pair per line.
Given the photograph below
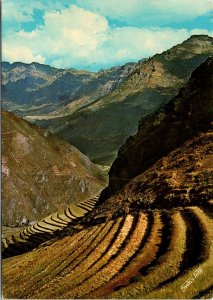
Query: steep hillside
100, 128
23, 240
38, 90
152, 239
190, 112
181, 178
41, 173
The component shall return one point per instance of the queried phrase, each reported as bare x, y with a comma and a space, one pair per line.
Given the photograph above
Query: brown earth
41, 173
182, 178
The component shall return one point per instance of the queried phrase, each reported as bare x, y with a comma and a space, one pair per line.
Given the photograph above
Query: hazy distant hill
41, 173
100, 128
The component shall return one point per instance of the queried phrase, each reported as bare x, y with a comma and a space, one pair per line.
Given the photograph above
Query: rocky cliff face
189, 113
41, 173
181, 178
99, 129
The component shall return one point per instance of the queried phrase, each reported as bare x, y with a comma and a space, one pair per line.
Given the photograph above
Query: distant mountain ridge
37, 89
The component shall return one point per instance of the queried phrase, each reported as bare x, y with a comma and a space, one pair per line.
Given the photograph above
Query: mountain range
39, 90
96, 112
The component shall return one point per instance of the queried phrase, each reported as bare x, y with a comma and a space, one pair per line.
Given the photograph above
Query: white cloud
23, 54
63, 34
22, 10
76, 37
18, 10
201, 31
133, 11
152, 12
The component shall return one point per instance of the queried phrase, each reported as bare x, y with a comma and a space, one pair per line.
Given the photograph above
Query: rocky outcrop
189, 113
181, 178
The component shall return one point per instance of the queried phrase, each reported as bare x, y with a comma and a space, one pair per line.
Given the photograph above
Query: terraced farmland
145, 254
46, 229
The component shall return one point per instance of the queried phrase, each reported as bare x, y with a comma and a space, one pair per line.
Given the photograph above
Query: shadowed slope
189, 113
184, 177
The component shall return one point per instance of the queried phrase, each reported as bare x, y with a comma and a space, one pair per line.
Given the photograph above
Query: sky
97, 34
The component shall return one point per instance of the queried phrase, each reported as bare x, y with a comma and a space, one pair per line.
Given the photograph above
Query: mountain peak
203, 37
199, 39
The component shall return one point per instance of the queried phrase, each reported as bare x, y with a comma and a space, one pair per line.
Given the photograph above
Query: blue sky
94, 34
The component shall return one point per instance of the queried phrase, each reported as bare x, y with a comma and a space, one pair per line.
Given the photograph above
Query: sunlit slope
41, 173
